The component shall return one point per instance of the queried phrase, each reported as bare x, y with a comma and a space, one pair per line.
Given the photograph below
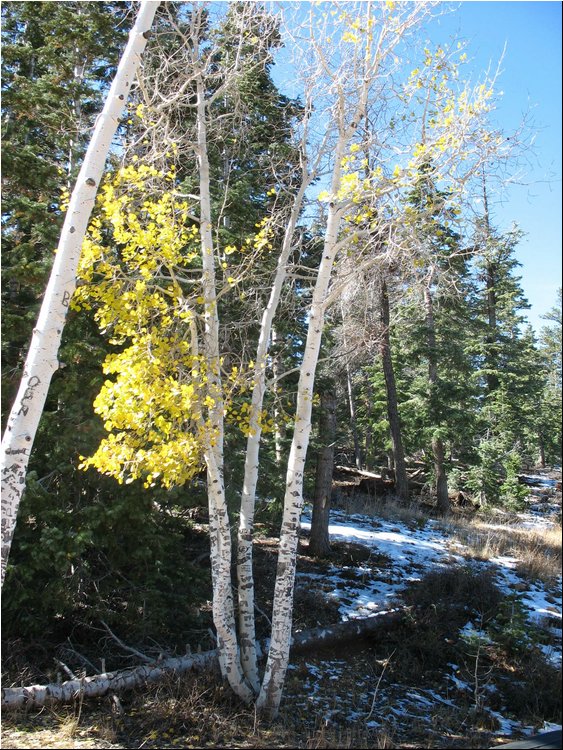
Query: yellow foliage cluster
154, 405
139, 261
239, 414
152, 410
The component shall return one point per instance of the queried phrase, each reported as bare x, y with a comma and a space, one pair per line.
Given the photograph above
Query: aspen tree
365, 50
41, 360
197, 87
349, 60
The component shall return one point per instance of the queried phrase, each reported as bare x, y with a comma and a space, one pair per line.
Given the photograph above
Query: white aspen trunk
223, 610
282, 611
96, 686
247, 629
219, 525
278, 429
208, 281
41, 360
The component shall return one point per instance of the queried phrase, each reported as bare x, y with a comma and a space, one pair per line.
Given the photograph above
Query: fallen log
345, 631
99, 685
354, 472
416, 475
542, 741
416, 487
375, 485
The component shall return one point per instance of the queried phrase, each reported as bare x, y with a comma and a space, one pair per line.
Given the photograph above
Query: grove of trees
255, 264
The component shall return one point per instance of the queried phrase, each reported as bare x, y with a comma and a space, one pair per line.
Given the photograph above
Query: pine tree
549, 422
509, 371
438, 317
57, 59
74, 531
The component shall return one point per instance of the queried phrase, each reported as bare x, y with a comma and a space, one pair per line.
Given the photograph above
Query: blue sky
531, 82
529, 33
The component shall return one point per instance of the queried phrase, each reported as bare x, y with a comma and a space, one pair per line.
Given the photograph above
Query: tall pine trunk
353, 421
401, 479
42, 360
319, 544
442, 499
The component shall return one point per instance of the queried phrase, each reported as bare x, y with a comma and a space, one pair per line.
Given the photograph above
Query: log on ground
96, 686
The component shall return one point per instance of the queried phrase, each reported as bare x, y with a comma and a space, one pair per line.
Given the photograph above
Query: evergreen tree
79, 550
86, 549
509, 371
549, 422
437, 317
57, 58
550, 340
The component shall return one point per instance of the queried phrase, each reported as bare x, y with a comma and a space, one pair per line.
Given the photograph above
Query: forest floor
476, 660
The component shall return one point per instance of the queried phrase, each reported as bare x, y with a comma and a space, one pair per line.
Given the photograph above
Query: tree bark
541, 450
319, 544
247, 628
442, 498
353, 422
99, 685
219, 524
278, 656
41, 360
279, 428
401, 479
442, 495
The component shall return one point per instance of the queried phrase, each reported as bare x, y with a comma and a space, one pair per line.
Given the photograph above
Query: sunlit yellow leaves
64, 199
348, 36
241, 416
262, 239
139, 262
349, 186
152, 412
153, 404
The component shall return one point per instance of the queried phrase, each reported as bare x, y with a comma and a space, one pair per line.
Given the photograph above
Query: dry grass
190, 714
497, 535
412, 514
538, 552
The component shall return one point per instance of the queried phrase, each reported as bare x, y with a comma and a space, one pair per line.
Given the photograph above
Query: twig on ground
68, 670
385, 665
143, 657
